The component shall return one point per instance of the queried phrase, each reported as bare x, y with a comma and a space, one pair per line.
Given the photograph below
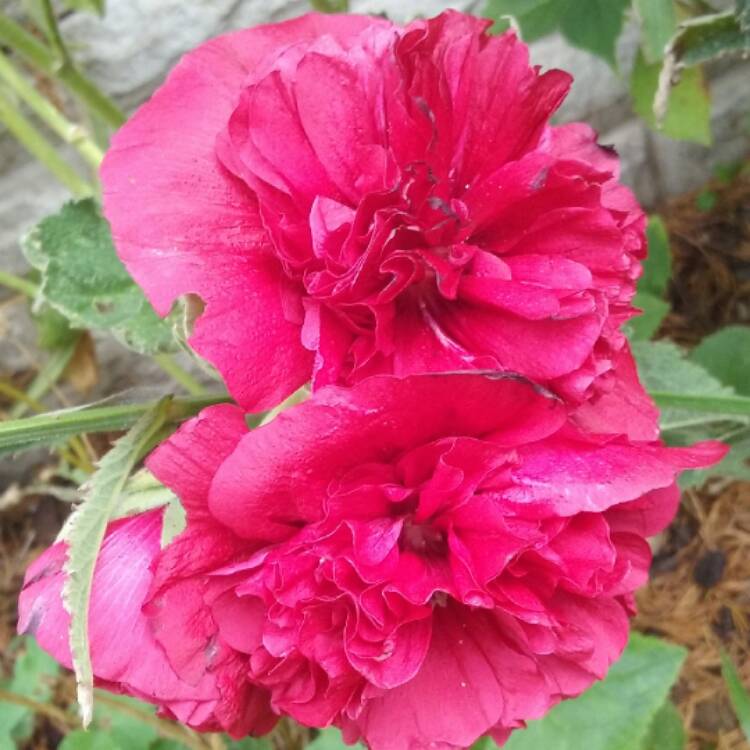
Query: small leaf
84, 280
614, 714
657, 268
535, 18
688, 112
644, 326
667, 731
658, 24
595, 25
174, 521
737, 693
726, 355
84, 533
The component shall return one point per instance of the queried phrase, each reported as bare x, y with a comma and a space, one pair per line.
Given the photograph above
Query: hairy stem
18, 284
179, 374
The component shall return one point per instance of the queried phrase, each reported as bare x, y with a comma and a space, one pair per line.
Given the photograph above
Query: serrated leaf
84, 280
144, 492
667, 731
614, 714
658, 25
85, 532
726, 355
688, 113
535, 18
33, 677
595, 25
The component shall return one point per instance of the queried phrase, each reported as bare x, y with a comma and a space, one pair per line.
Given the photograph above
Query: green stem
40, 56
736, 405
53, 32
71, 133
53, 427
39, 147
18, 284
47, 376
178, 374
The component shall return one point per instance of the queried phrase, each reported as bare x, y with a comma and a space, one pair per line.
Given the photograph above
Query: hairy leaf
657, 268
85, 532
84, 280
614, 714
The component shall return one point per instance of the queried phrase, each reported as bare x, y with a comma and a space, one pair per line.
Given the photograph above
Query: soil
699, 593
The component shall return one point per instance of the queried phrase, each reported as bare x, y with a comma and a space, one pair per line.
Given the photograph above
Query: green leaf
658, 24
644, 326
688, 113
90, 6
80, 739
34, 673
695, 406
84, 280
535, 18
53, 328
595, 25
706, 38
657, 268
614, 714
737, 693
667, 731
84, 533
726, 355
144, 492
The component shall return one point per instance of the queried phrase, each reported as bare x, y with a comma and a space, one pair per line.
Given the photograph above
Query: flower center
423, 539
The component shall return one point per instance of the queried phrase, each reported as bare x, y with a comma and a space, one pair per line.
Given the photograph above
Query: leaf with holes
84, 280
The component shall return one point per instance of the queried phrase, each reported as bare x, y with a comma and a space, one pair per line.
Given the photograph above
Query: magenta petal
123, 650
277, 477
200, 222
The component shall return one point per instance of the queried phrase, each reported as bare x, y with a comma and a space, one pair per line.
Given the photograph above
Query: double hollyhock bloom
348, 197
443, 542
419, 561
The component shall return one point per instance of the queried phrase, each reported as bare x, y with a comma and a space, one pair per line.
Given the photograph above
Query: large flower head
420, 561
349, 197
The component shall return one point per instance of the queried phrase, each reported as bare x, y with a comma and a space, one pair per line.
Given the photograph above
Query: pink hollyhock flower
349, 197
418, 561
